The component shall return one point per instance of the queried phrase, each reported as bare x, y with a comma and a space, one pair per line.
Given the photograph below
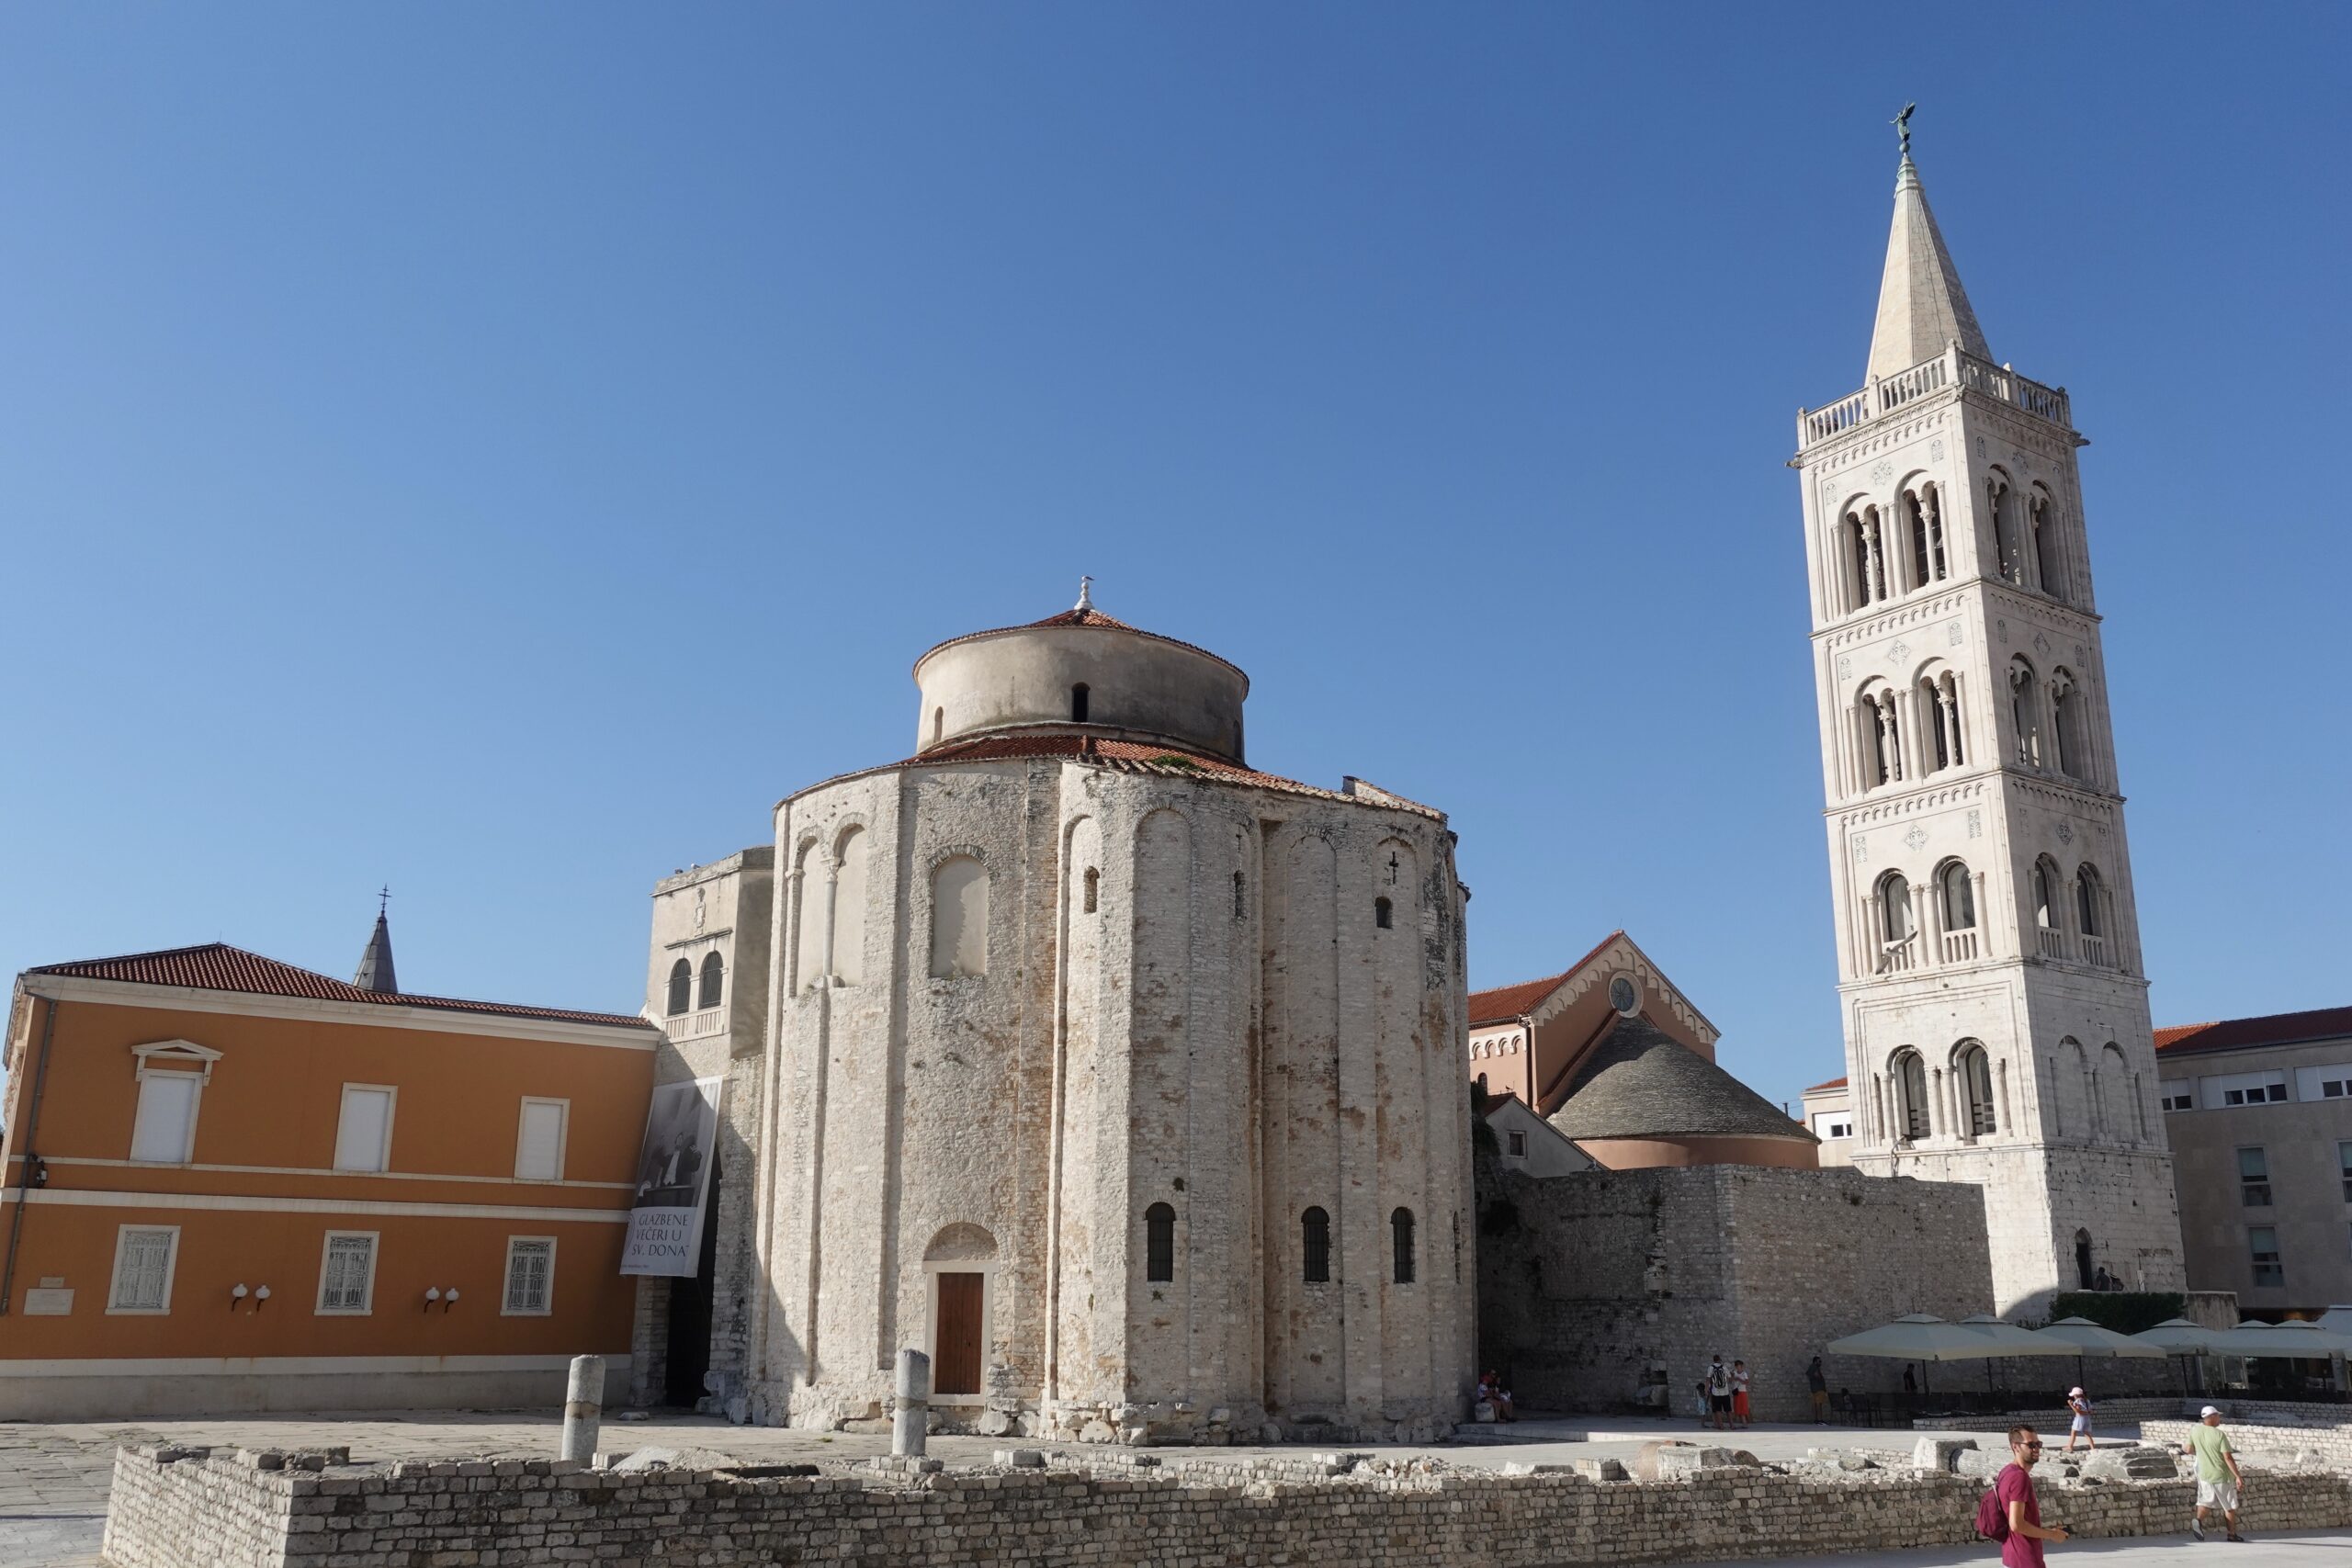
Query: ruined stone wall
1594, 1287
169, 1508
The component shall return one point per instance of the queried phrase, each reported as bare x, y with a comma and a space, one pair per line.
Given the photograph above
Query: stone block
1938, 1454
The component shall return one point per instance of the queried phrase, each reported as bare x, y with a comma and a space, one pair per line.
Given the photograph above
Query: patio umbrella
2178, 1336
2297, 1339
1918, 1336
2084, 1337
2013, 1340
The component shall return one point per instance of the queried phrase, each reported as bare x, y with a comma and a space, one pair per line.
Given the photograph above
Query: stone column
910, 1421
583, 1407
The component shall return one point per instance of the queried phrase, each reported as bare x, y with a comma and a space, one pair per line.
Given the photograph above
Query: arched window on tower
938, 724
1078, 696
1865, 557
1315, 1246
2070, 756
1976, 1069
1384, 914
1879, 736
2008, 543
2090, 912
1159, 1243
1924, 526
2049, 558
849, 908
2049, 933
1910, 1096
1936, 700
2025, 714
682, 988
714, 981
1400, 1235
1898, 930
1956, 889
959, 919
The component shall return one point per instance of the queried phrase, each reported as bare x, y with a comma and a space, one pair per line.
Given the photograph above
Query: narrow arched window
1384, 914
2002, 501
959, 919
1857, 540
1241, 897
1896, 925
1937, 699
1078, 703
2045, 894
1400, 1235
2090, 912
714, 981
2025, 714
2066, 726
1914, 530
1093, 889
1159, 1243
1882, 738
1976, 1081
1911, 1083
2048, 558
938, 724
1959, 890
1315, 1246
682, 987
849, 908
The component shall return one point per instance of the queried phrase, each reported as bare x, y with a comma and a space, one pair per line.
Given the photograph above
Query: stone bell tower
1996, 1010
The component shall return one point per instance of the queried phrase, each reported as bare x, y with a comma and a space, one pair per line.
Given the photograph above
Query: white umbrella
2297, 1339
1919, 1336
2081, 1336
2013, 1340
2178, 1336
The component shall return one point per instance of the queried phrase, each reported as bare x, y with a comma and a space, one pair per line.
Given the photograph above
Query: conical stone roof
374, 972
1921, 306
1641, 1082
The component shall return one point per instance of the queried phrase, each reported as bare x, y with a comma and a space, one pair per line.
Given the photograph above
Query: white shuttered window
363, 1138
538, 1141
143, 1269
165, 1128
530, 1275
347, 1277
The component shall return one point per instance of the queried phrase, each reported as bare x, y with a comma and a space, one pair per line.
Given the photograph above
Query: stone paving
53, 1477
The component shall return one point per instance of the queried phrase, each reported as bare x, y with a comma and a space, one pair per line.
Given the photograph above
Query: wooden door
955, 1347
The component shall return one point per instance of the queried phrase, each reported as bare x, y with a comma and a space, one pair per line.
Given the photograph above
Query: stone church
1121, 1077
1996, 1010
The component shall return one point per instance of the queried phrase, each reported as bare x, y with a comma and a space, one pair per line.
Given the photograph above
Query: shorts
2082, 1423
1719, 1402
1820, 1397
2221, 1495
1739, 1405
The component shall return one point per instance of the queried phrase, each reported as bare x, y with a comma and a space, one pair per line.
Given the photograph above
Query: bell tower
1995, 1006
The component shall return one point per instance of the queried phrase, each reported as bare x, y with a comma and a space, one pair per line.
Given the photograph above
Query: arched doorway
690, 1298
2083, 1259
959, 1260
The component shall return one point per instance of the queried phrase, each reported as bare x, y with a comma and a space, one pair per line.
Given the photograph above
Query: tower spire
1921, 306
374, 972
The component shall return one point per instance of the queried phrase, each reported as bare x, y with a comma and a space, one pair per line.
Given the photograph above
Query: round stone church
1120, 1077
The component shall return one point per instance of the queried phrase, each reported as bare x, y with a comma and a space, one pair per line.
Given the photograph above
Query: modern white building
1995, 1012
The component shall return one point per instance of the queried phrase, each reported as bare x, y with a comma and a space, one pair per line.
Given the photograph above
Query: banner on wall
666, 1211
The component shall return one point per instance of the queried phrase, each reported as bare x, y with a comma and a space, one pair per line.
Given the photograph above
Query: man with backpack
2011, 1513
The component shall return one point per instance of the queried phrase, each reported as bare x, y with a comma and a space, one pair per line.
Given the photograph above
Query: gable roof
1504, 1003
217, 967
1641, 1082
1826, 1083
2275, 1029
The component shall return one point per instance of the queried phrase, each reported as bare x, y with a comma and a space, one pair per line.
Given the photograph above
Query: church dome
1080, 672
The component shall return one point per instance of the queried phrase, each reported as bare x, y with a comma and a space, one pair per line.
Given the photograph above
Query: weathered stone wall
1187, 999
2258, 1443
1592, 1287
228, 1512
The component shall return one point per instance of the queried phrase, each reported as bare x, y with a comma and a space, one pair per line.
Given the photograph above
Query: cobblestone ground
53, 1477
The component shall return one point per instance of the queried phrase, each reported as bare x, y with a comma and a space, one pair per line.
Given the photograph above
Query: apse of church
1995, 1010
1120, 1077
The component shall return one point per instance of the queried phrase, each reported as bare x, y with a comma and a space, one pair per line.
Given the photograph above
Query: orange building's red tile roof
1504, 1003
217, 967
1832, 1083
2276, 1029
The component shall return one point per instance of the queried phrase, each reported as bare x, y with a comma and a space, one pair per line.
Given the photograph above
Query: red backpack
1993, 1515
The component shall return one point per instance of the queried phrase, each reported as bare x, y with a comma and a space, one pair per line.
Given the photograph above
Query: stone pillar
583, 1407
910, 1421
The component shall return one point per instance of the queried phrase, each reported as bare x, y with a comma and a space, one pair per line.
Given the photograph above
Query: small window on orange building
538, 1140
530, 1276
143, 1259
363, 1137
347, 1274
165, 1130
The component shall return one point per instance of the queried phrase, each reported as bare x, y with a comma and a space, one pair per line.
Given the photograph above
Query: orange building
233, 1184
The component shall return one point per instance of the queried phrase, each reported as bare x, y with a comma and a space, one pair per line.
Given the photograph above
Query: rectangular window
2331, 1080
530, 1276
2178, 1100
165, 1130
1842, 1127
363, 1138
144, 1256
2253, 1178
1518, 1144
538, 1140
347, 1273
2262, 1241
2343, 1164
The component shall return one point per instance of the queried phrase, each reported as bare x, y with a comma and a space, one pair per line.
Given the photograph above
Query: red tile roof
217, 967
1122, 756
1833, 1083
1506, 1002
2277, 1029
1088, 615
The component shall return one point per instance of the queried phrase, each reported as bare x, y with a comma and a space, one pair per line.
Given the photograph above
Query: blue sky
499, 450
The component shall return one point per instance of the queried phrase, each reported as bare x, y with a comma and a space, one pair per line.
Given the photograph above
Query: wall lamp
433, 1293
238, 1295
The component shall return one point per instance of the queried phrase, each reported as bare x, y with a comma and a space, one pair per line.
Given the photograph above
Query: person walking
1719, 1391
2219, 1480
1739, 1395
1816, 1383
2017, 1509
2079, 1405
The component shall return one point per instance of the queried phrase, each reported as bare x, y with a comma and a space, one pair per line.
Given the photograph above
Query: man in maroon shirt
2014, 1488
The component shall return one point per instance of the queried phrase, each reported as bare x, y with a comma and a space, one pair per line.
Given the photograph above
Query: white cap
2074, 1394
2209, 1410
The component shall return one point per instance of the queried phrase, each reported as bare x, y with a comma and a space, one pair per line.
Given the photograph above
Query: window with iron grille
347, 1275
143, 1269
530, 1276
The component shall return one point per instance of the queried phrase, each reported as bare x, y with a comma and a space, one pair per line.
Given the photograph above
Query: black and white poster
665, 1216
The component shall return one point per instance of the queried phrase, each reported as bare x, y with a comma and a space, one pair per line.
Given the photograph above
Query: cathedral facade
1116, 1075
1995, 1005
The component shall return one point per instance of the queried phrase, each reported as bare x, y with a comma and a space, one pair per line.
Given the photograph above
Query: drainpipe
32, 1161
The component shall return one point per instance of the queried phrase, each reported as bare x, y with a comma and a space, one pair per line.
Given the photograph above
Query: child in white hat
2079, 1402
